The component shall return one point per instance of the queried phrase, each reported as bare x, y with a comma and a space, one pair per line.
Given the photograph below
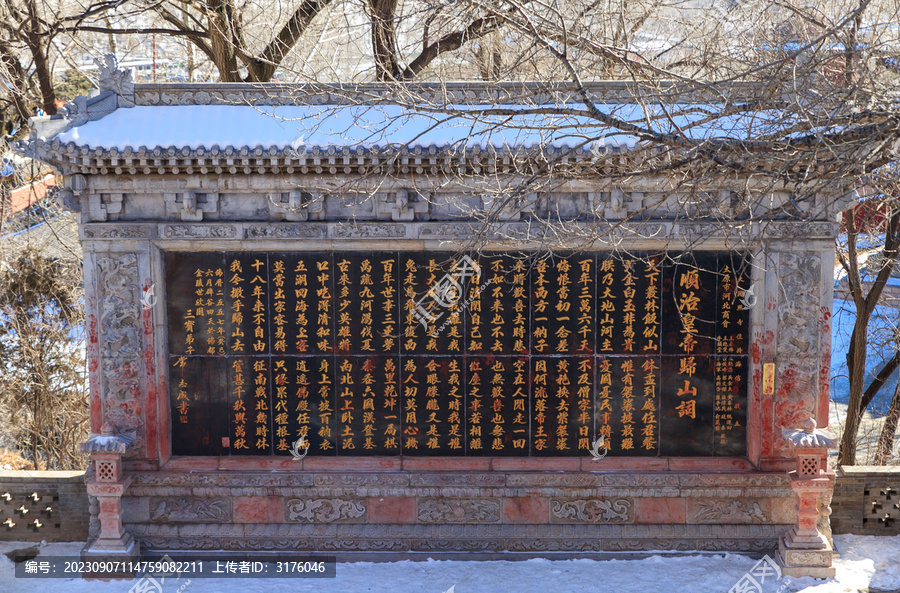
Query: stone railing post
804, 551
108, 483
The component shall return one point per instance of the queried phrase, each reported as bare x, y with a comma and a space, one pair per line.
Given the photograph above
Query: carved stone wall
802, 348
486, 512
122, 389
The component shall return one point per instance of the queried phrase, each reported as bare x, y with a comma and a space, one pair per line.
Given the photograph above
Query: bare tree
43, 386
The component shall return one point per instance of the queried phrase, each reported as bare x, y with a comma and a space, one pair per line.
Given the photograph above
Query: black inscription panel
442, 354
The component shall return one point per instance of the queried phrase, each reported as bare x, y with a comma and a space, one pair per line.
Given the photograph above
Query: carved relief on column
120, 346
798, 340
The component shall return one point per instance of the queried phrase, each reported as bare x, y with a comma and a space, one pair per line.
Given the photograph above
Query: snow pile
866, 562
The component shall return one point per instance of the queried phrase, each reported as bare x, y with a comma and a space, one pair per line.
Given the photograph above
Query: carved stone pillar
804, 551
108, 483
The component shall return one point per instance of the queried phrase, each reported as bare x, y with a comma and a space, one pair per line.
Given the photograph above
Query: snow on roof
368, 126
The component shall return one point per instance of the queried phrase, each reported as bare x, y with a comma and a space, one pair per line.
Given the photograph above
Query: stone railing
866, 500
43, 505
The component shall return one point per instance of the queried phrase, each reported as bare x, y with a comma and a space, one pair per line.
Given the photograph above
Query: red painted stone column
803, 551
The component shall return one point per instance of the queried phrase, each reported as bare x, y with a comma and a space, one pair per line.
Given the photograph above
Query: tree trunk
17, 83
37, 46
220, 36
886, 440
384, 40
856, 369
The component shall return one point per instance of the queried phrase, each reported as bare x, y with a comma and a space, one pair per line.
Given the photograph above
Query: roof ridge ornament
111, 78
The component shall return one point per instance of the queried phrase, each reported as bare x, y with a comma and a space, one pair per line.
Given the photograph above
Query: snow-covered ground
866, 564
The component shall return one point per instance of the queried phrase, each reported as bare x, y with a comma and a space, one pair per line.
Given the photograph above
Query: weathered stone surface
190, 510
440, 510
323, 510
591, 511
725, 511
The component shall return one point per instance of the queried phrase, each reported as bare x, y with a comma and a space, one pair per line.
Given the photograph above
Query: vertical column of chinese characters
474, 308
564, 313
260, 345
301, 306
687, 392
323, 306
239, 407
302, 411
261, 407
345, 399
366, 302
562, 404
391, 406
731, 328
651, 307
688, 304
237, 285
626, 366
606, 306
604, 408
279, 307
206, 297
584, 402
520, 308
585, 328
455, 406
413, 313
731, 360
368, 403
217, 319
279, 366
200, 310
343, 310
182, 400
454, 330
520, 409
629, 291
539, 437
325, 403
279, 403
497, 315
387, 288
434, 416
540, 320
411, 430
649, 406
444, 296
726, 385
475, 404
190, 320
497, 422
260, 321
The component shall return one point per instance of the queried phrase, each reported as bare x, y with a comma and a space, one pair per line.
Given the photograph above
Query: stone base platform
389, 515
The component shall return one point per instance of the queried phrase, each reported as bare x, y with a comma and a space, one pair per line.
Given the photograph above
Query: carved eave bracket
401, 206
191, 206
296, 206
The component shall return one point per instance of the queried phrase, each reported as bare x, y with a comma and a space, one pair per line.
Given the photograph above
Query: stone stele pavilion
240, 294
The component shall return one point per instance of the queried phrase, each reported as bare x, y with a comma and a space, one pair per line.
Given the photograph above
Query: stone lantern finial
803, 551
108, 483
